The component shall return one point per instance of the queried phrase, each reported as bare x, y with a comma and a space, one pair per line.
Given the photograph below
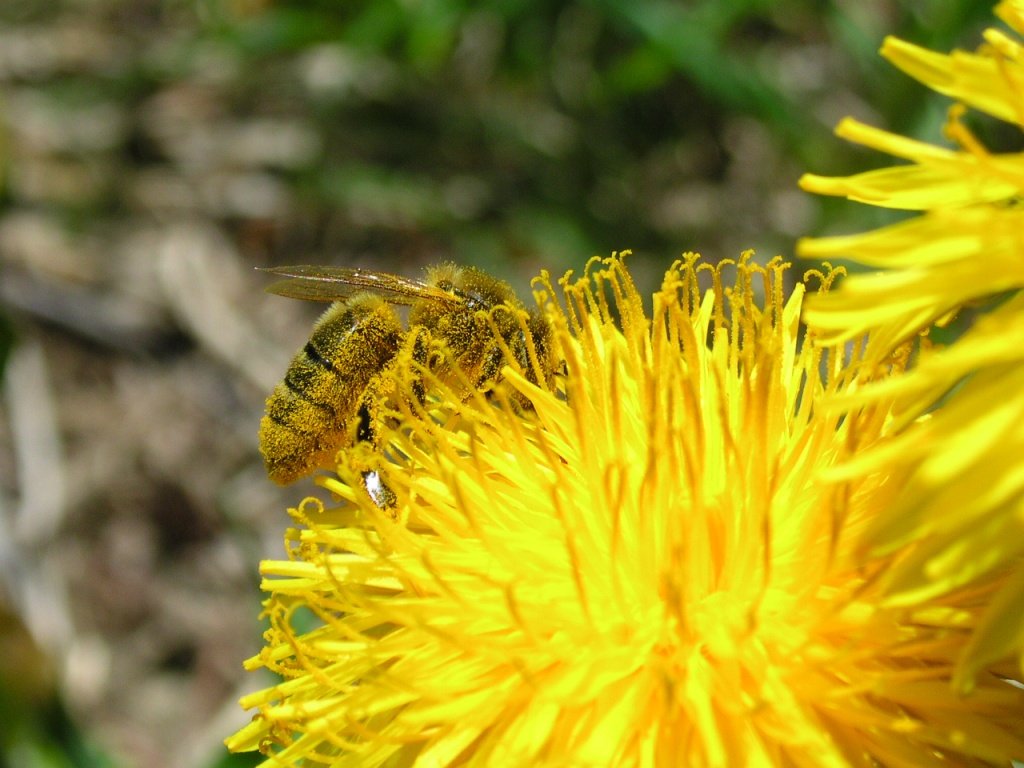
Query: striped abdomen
310, 414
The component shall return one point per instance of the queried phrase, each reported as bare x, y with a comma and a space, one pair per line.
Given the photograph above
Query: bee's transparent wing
325, 283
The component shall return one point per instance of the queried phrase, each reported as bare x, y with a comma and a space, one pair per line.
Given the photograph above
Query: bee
327, 400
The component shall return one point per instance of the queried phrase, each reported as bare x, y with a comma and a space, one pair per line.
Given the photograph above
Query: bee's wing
324, 283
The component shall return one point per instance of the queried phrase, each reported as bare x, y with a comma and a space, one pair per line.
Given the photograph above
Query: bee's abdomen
310, 413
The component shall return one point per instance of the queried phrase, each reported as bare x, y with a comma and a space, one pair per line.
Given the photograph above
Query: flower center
721, 621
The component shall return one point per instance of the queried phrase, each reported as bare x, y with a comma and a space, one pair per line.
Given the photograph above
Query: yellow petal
1001, 631
978, 81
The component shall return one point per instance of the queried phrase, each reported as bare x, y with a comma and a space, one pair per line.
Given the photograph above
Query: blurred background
153, 152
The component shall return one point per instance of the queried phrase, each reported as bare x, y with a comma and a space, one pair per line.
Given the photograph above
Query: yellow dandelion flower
967, 245
643, 569
964, 500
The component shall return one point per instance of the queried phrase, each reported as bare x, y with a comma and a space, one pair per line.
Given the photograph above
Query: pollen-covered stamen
646, 565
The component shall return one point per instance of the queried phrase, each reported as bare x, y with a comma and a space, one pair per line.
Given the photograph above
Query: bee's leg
378, 491
490, 367
529, 349
409, 360
366, 431
419, 353
487, 370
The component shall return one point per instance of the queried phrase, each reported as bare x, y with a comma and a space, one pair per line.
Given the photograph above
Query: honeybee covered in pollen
327, 400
